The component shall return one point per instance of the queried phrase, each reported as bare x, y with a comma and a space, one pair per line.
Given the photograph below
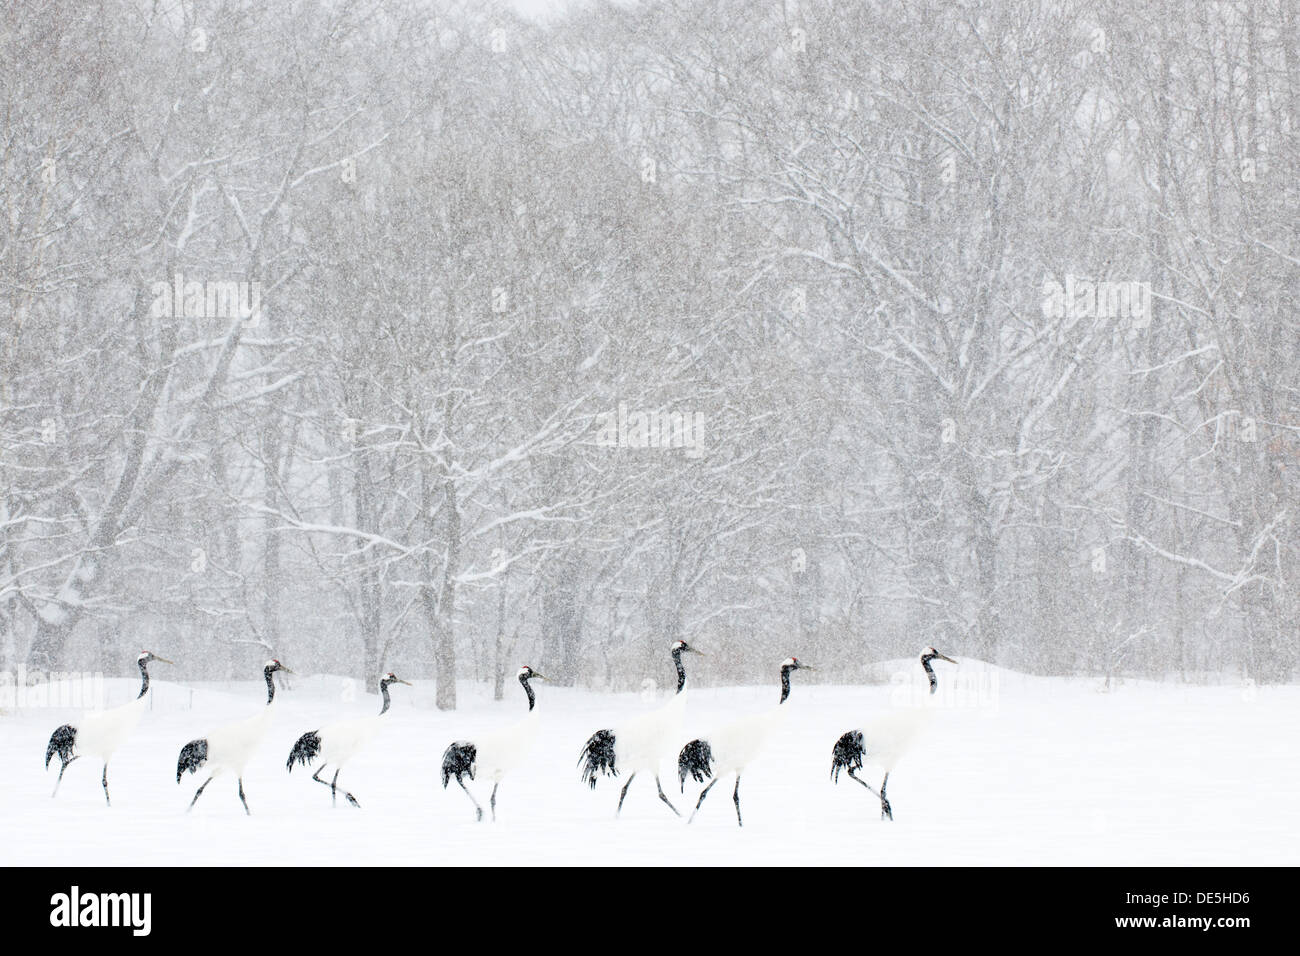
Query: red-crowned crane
732, 747
492, 755
885, 739
643, 742
229, 747
338, 742
101, 732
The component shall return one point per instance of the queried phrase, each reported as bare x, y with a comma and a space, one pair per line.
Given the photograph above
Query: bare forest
439, 337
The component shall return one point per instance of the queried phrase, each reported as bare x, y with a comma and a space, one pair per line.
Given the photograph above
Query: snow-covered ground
1017, 770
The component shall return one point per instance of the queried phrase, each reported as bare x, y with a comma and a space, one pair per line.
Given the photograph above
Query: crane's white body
341, 740
501, 750
101, 732
645, 741
735, 745
891, 735
231, 745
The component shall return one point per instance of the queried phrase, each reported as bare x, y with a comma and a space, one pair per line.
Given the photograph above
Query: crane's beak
944, 657
162, 660
285, 669
692, 650
806, 667
406, 682
539, 676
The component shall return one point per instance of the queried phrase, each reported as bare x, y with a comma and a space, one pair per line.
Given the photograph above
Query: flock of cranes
640, 745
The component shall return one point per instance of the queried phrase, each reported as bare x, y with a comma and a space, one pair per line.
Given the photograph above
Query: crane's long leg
703, 793
477, 809
663, 797
736, 796
493, 801
198, 793
886, 811
241, 797
60, 780
624, 793
106, 800
324, 783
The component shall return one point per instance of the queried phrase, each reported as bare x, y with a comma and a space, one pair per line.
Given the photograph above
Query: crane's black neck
523, 679
681, 671
929, 671
270, 684
144, 678
785, 681
383, 689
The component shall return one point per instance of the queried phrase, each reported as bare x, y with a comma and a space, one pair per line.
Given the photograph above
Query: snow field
1040, 771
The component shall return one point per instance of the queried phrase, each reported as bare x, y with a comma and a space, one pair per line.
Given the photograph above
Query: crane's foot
198, 793
60, 780
623, 793
664, 798
478, 811
700, 802
352, 800
886, 811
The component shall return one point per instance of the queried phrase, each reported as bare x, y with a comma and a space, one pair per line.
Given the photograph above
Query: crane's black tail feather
458, 761
696, 759
61, 742
193, 756
598, 757
305, 750
848, 754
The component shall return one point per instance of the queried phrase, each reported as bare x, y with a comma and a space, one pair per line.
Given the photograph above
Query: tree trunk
444, 614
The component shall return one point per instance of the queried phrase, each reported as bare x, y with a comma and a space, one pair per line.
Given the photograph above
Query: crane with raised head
338, 742
494, 754
642, 743
230, 746
886, 739
732, 747
100, 732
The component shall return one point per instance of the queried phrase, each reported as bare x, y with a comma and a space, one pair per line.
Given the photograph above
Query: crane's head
391, 678
680, 647
526, 673
148, 657
273, 665
930, 654
794, 664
